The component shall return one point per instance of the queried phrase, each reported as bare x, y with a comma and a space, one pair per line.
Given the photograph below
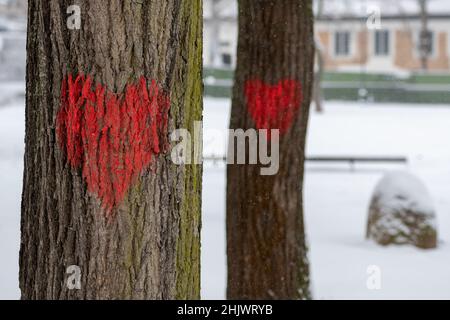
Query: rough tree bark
267, 255
146, 246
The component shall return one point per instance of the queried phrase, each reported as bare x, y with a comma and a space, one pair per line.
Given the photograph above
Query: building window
425, 43
381, 42
342, 43
226, 59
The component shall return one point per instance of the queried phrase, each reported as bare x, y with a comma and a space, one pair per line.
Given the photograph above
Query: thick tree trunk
128, 218
267, 256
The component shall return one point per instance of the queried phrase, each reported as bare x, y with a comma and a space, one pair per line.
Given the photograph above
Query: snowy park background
336, 195
336, 201
336, 198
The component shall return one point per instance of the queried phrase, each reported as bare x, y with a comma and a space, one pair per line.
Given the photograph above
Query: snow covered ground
336, 199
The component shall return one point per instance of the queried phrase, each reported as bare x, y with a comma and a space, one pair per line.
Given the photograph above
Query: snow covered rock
401, 212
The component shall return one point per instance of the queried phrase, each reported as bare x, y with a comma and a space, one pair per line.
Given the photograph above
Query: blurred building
12, 40
384, 36
219, 33
13, 8
376, 35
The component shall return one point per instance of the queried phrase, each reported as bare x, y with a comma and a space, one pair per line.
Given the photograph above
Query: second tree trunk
267, 256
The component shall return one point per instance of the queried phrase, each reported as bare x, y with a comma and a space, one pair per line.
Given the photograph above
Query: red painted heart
273, 106
112, 136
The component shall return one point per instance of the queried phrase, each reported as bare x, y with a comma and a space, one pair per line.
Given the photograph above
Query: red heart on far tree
111, 136
273, 106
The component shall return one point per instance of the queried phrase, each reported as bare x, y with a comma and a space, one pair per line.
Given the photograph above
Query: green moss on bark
188, 244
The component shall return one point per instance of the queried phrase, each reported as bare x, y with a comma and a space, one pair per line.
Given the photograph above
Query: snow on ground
398, 190
336, 199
